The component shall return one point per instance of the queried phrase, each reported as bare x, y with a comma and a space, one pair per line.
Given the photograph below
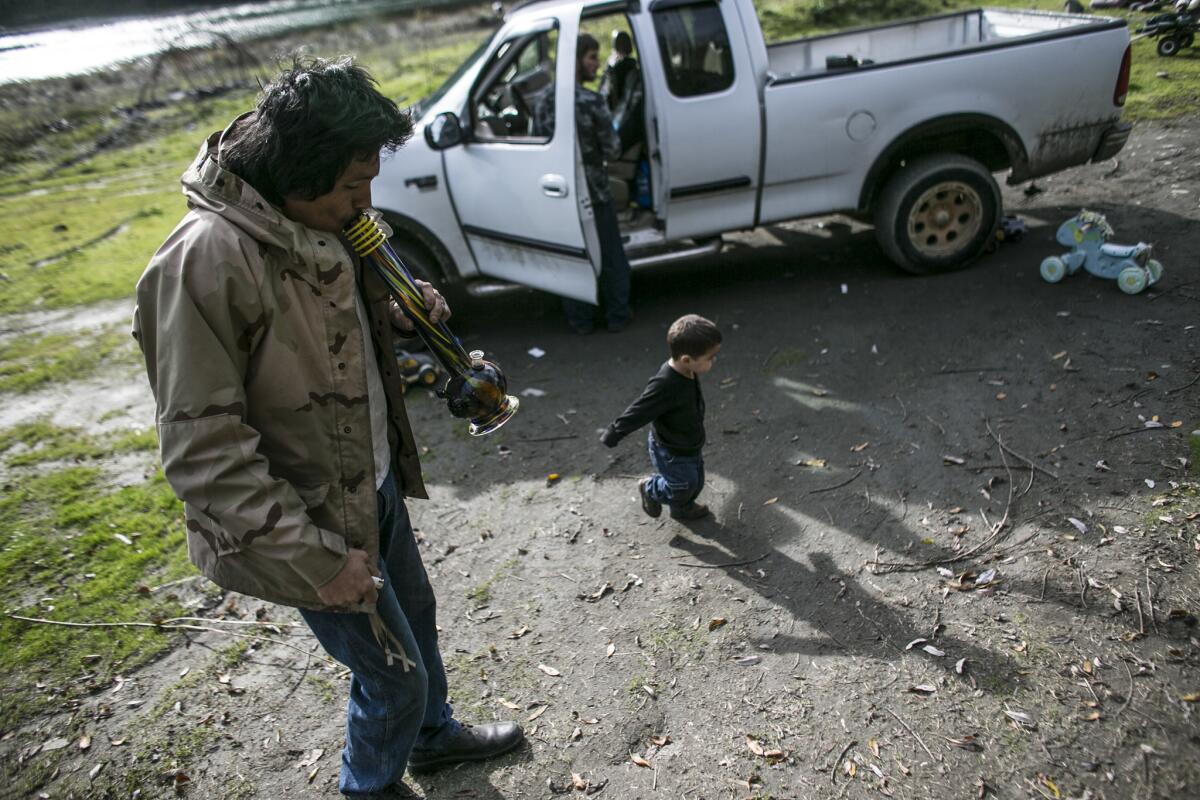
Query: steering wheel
518, 101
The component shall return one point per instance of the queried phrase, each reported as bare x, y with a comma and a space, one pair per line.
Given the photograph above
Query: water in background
97, 43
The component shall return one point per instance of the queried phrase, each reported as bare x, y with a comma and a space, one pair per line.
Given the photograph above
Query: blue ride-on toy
1087, 235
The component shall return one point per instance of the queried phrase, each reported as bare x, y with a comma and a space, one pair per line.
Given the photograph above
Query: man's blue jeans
678, 480
390, 710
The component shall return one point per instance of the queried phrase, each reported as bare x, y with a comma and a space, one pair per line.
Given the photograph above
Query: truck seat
621, 176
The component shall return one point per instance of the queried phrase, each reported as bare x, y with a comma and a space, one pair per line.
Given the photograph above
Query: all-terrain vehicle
1173, 31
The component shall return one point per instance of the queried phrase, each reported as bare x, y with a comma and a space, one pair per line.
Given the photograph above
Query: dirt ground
803, 642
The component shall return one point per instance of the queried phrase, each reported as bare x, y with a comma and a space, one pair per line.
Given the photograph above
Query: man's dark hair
692, 335
585, 44
309, 124
622, 43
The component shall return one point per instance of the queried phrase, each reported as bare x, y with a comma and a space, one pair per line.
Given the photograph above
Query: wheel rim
1132, 280
1053, 270
945, 219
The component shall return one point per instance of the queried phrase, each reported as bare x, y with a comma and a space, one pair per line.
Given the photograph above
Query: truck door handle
553, 185
422, 182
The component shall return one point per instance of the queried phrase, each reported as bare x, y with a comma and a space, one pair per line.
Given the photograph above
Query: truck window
695, 49
515, 96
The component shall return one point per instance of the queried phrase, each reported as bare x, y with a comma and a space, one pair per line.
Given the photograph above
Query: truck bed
919, 39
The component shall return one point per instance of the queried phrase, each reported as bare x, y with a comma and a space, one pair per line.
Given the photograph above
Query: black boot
471, 743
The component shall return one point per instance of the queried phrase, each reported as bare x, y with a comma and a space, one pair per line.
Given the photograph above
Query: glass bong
477, 390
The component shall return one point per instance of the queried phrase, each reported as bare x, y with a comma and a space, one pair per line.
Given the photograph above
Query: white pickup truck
903, 124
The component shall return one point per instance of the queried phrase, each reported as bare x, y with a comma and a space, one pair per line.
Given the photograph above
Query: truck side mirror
444, 131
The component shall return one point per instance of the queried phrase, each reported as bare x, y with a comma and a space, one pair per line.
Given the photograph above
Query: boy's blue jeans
678, 479
390, 710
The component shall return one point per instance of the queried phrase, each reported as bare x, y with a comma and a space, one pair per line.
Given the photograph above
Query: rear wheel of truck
937, 213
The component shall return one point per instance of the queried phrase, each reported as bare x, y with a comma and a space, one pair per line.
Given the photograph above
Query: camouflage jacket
598, 141
257, 361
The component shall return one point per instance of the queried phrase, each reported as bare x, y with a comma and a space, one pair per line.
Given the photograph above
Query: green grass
41, 441
61, 559
33, 361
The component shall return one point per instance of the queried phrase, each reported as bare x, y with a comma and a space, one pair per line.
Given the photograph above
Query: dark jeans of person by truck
614, 278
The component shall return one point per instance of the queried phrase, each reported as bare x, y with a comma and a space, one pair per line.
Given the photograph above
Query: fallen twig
1015, 454
838, 760
258, 622
1129, 696
915, 736
837, 486
1187, 385
1137, 596
550, 438
1150, 601
721, 566
169, 584
944, 371
1045, 575
167, 627
1136, 430
1131, 397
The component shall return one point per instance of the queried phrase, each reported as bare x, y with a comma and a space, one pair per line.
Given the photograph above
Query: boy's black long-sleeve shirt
675, 404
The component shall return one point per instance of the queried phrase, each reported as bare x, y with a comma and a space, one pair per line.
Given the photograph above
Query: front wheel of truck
937, 213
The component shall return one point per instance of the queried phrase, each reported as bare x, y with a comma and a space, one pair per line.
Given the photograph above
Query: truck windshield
419, 107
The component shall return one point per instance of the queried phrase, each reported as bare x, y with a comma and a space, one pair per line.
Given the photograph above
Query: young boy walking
673, 403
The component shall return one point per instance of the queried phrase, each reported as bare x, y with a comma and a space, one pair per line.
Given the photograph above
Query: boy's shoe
651, 506
470, 743
690, 511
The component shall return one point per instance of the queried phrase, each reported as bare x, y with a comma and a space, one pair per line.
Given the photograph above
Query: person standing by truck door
598, 142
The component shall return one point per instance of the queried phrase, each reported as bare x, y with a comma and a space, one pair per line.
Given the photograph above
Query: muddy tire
419, 263
937, 213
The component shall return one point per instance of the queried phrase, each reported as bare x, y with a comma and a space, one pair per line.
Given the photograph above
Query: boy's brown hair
692, 335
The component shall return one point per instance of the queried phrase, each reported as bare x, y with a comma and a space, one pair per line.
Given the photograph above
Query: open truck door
706, 116
517, 166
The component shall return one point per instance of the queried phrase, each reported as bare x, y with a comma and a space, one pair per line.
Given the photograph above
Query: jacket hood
209, 186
